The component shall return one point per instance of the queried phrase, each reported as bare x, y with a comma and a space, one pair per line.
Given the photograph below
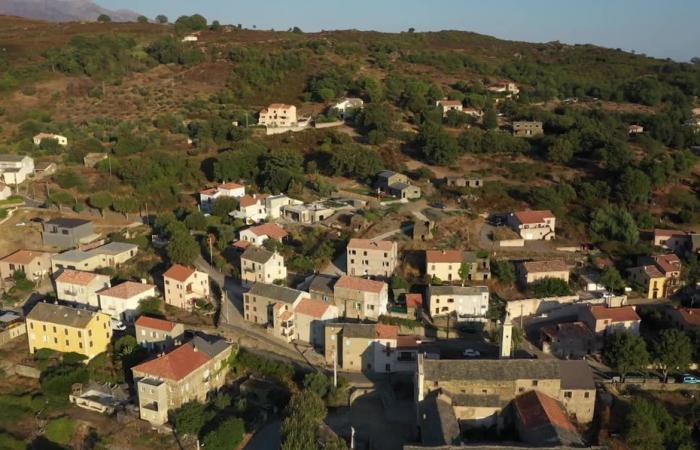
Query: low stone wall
511, 243
272, 131
24, 371
322, 125
657, 386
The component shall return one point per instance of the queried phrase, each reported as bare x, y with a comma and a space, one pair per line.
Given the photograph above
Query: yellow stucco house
650, 279
66, 329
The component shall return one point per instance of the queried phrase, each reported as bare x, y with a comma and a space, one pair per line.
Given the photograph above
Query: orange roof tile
668, 263
652, 272
231, 185
620, 314
76, 277
691, 316
269, 229
313, 308
157, 324
386, 331
536, 409
250, 200
175, 365
127, 290
368, 244
179, 273
450, 102
414, 300
287, 315
532, 217
407, 342
210, 191
668, 233
242, 244
444, 256
360, 284
23, 256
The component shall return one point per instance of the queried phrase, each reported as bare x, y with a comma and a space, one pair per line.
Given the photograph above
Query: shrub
226, 435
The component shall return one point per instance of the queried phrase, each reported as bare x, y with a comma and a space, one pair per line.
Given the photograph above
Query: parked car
471, 353
118, 325
689, 379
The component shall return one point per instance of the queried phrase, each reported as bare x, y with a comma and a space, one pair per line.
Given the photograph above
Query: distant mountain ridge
62, 10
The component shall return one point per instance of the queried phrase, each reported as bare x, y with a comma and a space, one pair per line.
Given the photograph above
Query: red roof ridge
360, 284
153, 322
179, 272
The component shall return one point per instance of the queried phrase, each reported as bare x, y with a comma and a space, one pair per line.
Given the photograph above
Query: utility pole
211, 253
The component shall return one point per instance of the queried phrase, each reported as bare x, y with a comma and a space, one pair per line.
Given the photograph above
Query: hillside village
470, 252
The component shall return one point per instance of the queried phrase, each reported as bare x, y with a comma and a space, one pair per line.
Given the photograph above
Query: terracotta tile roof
156, 324
652, 272
691, 316
444, 256
536, 409
271, 230
76, 277
250, 200
360, 284
449, 103
242, 244
210, 191
367, 244
414, 300
24, 256
384, 331
668, 263
572, 330
668, 233
179, 273
230, 186
556, 265
127, 290
175, 365
532, 217
407, 342
620, 314
313, 308
287, 315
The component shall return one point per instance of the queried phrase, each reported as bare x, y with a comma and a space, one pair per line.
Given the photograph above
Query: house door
388, 368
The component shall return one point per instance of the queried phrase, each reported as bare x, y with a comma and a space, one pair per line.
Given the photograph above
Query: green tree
437, 145
142, 19
625, 352
126, 205
224, 205
649, 426
317, 382
550, 287
612, 280
162, 19
61, 198
561, 150
634, 187
490, 119
182, 248
505, 271
465, 269
101, 200
190, 418
226, 436
69, 179
104, 18
399, 282
305, 412
150, 307
196, 221
672, 350
215, 26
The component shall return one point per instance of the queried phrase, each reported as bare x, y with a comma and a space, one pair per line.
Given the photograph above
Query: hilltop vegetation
140, 93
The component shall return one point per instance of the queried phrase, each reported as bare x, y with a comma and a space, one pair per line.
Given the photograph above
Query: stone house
260, 301
12, 326
190, 372
158, 335
121, 302
14, 169
34, 264
80, 288
182, 286
466, 302
259, 265
322, 288
65, 329
371, 258
533, 225
604, 320
533, 271
423, 230
60, 140
449, 105
541, 421
360, 298
311, 317
445, 265
397, 184
464, 181
278, 115
481, 390
651, 280
685, 319
571, 340
67, 233
527, 128
257, 235
358, 347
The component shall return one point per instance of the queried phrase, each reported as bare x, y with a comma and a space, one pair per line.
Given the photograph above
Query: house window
567, 394
586, 394
534, 382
